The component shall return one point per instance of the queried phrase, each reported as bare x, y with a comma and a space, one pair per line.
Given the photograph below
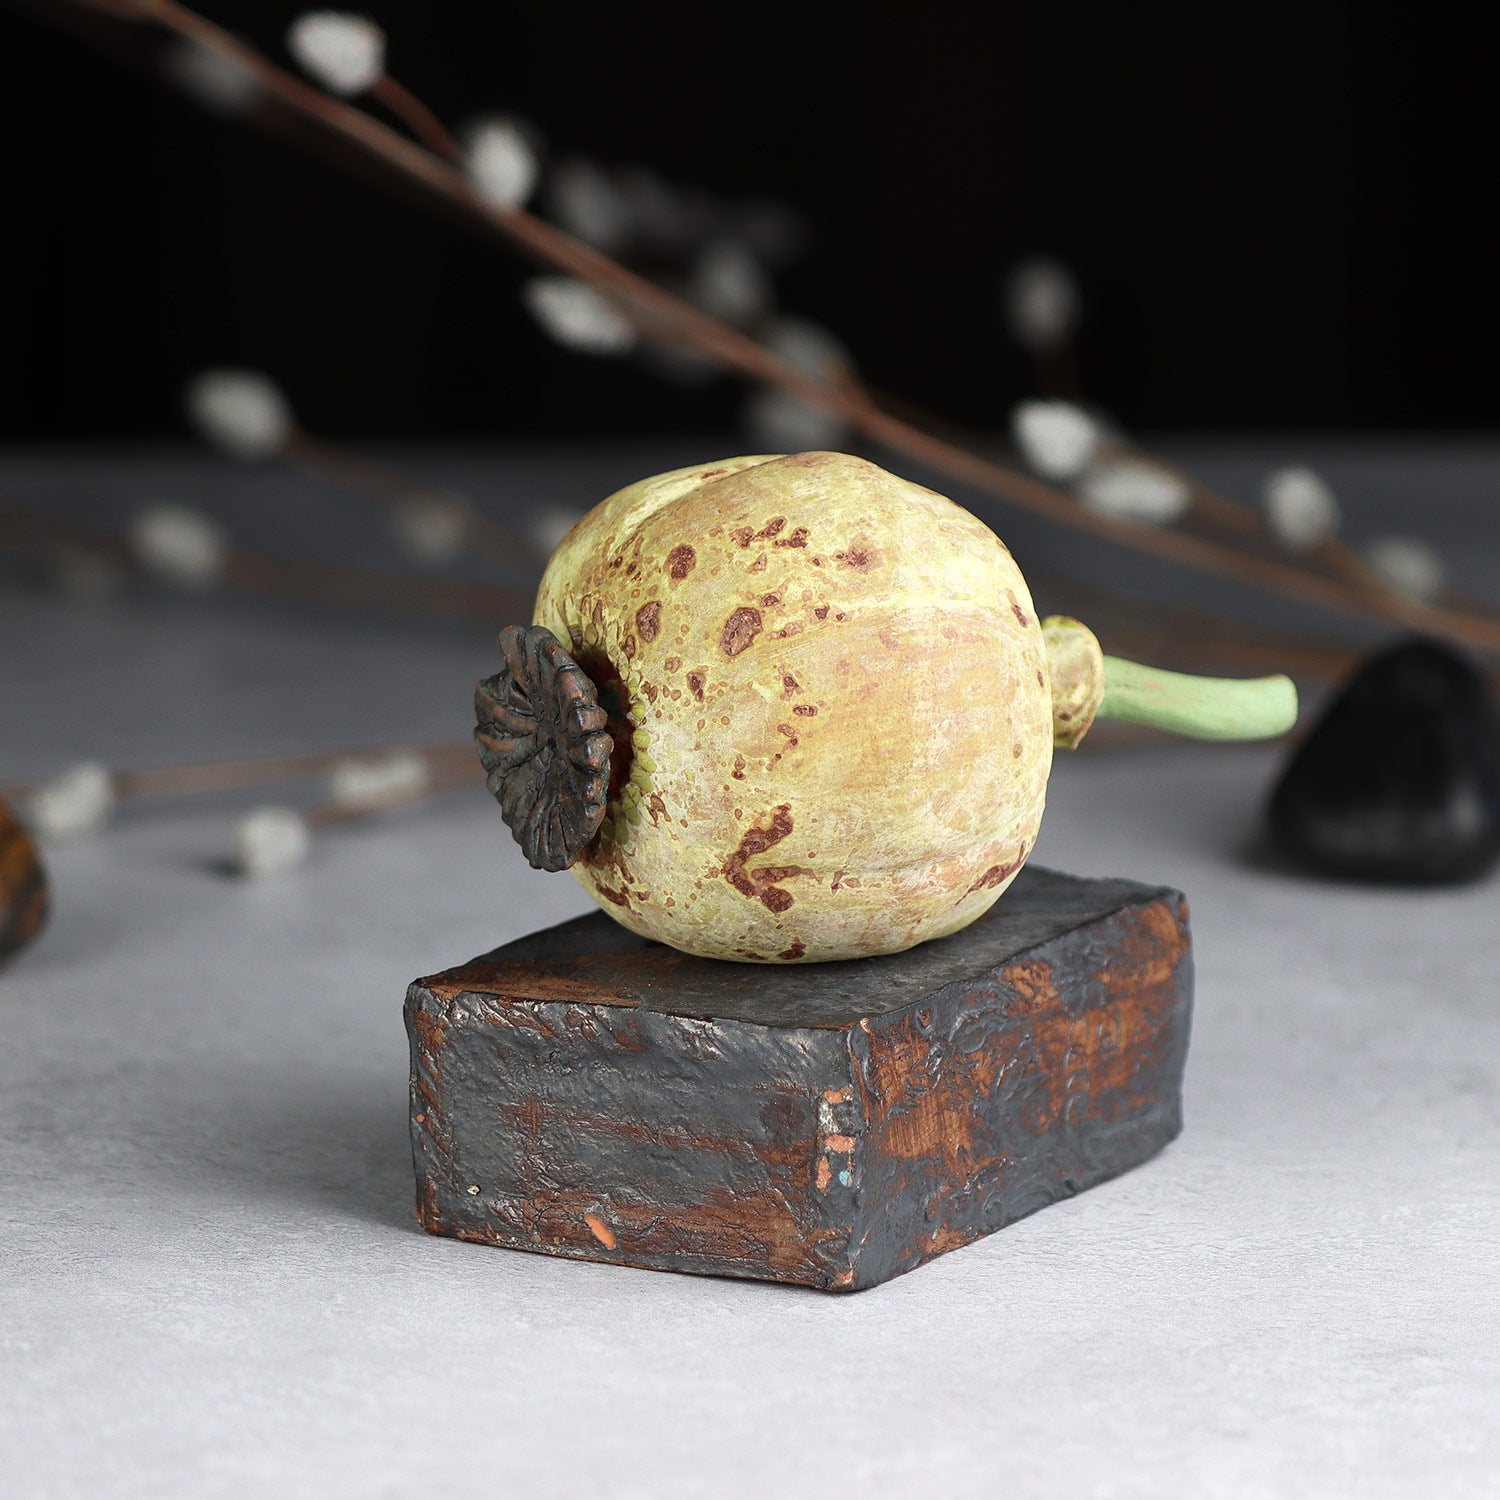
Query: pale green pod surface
842, 683
831, 704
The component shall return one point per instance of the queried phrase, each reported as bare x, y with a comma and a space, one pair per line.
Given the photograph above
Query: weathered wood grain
585, 1092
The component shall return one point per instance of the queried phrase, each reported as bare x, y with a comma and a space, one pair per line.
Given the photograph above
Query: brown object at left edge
24, 895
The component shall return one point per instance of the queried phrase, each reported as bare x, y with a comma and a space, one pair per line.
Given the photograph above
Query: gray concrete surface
212, 1283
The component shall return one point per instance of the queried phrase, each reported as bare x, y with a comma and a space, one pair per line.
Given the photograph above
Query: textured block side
609, 1133
988, 1101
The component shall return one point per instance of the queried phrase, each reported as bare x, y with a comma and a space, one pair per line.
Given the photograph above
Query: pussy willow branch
482, 534
330, 814
1190, 639
1164, 633
339, 128
23, 530
445, 762
416, 116
1335, 554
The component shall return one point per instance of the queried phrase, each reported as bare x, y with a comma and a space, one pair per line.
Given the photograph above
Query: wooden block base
586, 1093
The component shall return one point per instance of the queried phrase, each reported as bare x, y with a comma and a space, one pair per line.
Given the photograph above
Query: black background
1278, 213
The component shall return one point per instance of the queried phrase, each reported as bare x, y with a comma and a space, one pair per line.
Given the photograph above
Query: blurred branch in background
358, 784
102, 788
245, 415
1116, 491
180, 546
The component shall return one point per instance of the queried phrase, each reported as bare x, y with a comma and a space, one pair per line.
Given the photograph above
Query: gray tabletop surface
211, 1279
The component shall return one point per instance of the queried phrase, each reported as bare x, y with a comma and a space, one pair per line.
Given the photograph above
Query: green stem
1208, 708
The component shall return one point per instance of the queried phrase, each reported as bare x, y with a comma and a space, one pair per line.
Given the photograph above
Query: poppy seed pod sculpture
788, 709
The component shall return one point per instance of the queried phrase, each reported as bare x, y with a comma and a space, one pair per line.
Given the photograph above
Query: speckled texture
833, 688
602, 1097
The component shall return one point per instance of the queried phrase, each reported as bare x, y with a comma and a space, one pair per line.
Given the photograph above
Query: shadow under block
587, 1093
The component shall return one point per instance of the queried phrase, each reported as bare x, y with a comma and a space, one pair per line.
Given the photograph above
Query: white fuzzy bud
1056, 438
180, 545
578, 316
728, 282
1410, 566
809, 346
779, 422
585, 201
342, 52
74, 803
1300, 508
271, 841
242, 412
215, 81
1042, 303
1133, 490
549, 525
430, 529
370, 784
500, 162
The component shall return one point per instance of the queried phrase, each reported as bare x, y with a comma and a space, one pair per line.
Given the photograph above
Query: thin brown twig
23, 530
658, 314
443, 760
1167, 633
1335, 555
317, 456
1191, 639
329, 814
416, 116
482, 534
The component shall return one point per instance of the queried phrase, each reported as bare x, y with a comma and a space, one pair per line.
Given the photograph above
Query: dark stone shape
584, 1092
24, 894
542, 739
1400, 778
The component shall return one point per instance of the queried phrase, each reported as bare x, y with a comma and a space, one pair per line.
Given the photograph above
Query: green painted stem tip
1206, 708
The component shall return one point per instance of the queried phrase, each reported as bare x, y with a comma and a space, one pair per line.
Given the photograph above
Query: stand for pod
584, 1092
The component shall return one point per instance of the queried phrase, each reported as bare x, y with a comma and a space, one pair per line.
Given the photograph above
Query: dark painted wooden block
586, 1093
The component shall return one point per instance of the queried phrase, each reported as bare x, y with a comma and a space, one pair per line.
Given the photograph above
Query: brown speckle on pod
740, 630
863, 559
763, 884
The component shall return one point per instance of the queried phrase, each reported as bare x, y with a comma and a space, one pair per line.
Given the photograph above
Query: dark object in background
1400, 778
24, 896
973, 135
587, 1093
